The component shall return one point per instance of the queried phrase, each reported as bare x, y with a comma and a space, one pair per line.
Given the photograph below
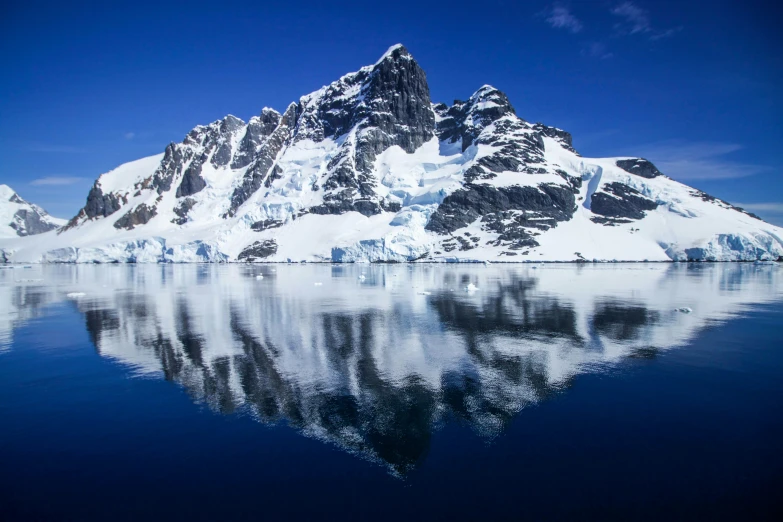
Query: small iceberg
684, 310
317, 284
75, 295
471, 288
260, 276
362, 278
424, 293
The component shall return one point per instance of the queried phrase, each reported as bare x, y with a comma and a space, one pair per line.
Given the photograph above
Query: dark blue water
389, 392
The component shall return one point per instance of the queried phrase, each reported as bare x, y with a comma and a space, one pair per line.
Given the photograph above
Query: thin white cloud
597, 50
130, 135
56, 180
698, 160
560, 17
635, 20
665, 34
771, 208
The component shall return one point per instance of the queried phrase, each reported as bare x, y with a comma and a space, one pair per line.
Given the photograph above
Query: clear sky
697, 87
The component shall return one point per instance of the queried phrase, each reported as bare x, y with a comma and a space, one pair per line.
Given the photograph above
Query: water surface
391, 392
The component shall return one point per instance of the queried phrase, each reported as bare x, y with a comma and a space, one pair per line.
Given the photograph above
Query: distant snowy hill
367, 168
19, 218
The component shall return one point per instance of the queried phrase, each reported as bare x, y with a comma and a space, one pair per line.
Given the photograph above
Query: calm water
558, 392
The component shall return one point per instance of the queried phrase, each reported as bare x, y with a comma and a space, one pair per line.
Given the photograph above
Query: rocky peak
20, 218
488, 103
377, 107
465, 120
268, 119
258, 129
391, 95
396, 101
260, 169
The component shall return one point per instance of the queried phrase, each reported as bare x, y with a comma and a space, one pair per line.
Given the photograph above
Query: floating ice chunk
425, 293
684, 310
471, 288
317, 284
75, 295
260, 276
362, 278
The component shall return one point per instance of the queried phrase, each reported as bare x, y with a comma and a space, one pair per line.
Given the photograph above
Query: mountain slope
18, 218
367, 168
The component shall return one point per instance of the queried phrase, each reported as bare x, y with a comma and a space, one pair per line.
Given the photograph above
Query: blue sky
693, 86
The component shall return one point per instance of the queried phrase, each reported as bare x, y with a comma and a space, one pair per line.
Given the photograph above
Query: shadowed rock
640, 167
621, 201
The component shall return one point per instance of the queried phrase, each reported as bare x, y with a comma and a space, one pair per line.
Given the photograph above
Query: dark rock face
265, 224
396, 108
171, 166
343, 201
258, 130
100, 204
182, 210
138, 216
616, 200
610, 221
576, 183
390, 99
509, 211
28, 223
640, 167
258, 250
192, 182
259, 170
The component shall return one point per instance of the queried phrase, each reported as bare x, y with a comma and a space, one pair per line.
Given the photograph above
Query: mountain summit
367, 168
18, 218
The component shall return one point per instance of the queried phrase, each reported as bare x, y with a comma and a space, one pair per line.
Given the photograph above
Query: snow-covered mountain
18, 218
367, 168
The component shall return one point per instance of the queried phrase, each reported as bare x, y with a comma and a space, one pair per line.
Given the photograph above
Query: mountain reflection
373, 358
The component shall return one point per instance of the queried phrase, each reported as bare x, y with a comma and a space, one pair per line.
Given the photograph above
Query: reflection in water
373, 364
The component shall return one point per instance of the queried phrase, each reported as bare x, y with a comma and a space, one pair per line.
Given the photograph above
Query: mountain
367, 168
18, 218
